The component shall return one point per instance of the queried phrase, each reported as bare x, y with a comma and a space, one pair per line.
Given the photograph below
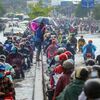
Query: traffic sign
87, 3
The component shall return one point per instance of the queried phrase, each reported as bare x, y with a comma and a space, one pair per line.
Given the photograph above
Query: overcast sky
58, 1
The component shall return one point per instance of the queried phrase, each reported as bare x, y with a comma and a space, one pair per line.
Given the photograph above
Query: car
12, 31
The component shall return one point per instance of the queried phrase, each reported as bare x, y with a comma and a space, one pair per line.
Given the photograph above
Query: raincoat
72, 91
51, 51
90, 46
62, 82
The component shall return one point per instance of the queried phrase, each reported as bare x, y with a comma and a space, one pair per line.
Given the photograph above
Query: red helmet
90, 41
68, 53
63, 56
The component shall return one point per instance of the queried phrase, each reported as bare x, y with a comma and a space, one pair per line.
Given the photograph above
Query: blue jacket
90, 46
39, 35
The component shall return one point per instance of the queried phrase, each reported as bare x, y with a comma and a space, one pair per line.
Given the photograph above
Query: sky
58, 1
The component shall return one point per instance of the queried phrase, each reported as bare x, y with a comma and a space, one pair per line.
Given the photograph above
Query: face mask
94, 74
1, 75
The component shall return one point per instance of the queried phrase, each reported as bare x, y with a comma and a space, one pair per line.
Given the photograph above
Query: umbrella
33, 26
45, 20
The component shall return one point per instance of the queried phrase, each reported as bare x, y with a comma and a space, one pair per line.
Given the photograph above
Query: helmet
1, 46
92, 88
9, 37
2, 67
56, 58
63, 56
68, 64
3, 57
68, 53
60, 50
81, 73
14, 38
90, 41
90, 62
21, 44
96, 67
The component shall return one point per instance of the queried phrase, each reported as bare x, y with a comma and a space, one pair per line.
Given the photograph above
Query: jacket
90, 46
72, 91
62, 82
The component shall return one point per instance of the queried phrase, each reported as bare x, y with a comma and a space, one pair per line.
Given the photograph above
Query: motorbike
88, 56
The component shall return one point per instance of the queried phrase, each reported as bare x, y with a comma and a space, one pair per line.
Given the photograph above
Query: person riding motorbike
2, 50
9, 70
64, 80
73, 90
7, 91
81, 43
72, 50
16, 58
92, 89
26, 54
73, 41
89, 50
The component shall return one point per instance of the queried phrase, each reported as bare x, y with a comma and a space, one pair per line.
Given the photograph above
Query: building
97, 1
14, 5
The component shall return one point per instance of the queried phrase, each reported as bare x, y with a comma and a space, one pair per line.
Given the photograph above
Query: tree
96, 12
39, 10
2, 11
80, 11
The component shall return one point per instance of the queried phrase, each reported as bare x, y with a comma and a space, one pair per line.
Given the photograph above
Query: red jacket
62, 82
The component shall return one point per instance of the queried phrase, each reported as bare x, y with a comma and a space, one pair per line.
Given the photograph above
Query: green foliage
38, 10
96, 12
80, 11
2, 11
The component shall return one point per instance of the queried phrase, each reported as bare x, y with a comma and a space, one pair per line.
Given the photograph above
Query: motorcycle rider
9, 70
6, 86
16, 58
73, 90
73, 41
2, 50
81, 43
89, 49
64, 80
26, 54
92, 89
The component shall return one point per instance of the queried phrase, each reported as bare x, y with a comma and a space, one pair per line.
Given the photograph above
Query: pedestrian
39, 39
